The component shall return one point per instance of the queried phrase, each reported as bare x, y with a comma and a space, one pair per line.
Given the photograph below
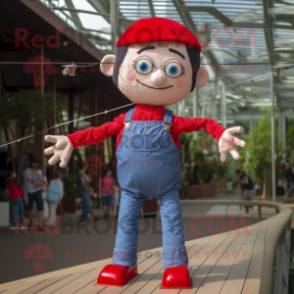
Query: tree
21, 112
256, 156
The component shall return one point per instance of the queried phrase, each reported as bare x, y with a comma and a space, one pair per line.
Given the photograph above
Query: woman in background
54, 196
115, 200
106, 184
85, 191
34, 188
15, 197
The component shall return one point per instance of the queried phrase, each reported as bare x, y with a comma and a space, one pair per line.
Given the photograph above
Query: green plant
201, 161
256, 156
21, 113
69, 184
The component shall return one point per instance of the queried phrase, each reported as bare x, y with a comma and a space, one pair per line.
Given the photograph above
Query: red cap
157, 29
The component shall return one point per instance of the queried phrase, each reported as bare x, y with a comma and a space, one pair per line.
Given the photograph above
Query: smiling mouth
154, 87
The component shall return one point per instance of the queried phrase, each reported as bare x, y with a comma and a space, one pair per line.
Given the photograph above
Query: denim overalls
148, 166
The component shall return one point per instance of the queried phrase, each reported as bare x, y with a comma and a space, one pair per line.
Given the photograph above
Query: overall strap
128, 118
168, 119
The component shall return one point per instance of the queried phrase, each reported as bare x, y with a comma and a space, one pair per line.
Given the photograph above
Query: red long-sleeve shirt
180, 125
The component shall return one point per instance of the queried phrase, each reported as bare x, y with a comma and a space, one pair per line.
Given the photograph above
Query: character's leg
174, 254
174, 250
125, 251
124, 257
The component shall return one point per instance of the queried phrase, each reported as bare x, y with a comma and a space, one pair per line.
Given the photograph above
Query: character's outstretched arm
227, 142
64, 145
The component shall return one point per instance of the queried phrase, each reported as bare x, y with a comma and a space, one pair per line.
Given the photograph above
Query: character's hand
62, 150
227, 143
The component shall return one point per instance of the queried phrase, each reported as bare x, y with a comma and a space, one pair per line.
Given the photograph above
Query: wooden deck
240, 261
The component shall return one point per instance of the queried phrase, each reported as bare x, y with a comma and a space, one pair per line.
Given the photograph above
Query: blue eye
173, 69
144, 66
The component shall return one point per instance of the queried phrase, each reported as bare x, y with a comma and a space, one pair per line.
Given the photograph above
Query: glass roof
240, 41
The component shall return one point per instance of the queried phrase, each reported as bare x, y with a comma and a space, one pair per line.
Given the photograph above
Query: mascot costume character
157, 65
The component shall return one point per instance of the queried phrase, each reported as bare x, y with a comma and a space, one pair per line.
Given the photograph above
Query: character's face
156, 73
238, 175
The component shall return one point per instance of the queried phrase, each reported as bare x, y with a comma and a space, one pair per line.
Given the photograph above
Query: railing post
259, 212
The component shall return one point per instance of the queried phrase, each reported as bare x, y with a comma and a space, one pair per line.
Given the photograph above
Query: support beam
114, 5
74, 14
224, 106
71, 127
151, 7
94, 123
267, 31
273, 140
188, 22
228, 22
212, 10
251, 121
194, 109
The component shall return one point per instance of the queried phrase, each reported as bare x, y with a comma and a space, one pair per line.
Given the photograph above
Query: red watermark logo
40, 66
204, 36
94, 161
68, 226
38, 253
37, 41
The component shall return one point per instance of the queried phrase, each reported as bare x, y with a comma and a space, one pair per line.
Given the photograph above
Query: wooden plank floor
229, 263
74, 245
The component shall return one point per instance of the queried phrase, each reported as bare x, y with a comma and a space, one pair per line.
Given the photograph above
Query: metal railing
276, 259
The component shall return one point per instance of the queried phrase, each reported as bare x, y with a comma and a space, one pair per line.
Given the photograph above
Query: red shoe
116, 275
176, 277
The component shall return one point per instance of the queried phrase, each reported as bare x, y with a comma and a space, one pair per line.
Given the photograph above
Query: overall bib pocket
145, 142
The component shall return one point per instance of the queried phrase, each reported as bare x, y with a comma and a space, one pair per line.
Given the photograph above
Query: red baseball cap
157, 29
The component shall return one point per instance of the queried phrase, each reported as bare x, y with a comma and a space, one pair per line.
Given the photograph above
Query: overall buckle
167, 127
128, 124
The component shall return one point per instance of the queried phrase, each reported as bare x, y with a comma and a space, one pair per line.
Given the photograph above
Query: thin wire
106, 111
91, 64
62, 124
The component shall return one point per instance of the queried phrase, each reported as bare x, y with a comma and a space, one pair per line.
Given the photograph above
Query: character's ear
107, 65
202, 77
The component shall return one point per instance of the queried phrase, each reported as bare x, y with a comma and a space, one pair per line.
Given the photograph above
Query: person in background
106, 184
247, 187
115, 200
289, 176
44, 190
24, 183
34, 188
85, 191
15, 197
44, 186
54, 196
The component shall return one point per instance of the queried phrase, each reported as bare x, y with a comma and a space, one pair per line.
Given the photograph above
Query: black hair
238, 171
194, 57
120, 55
193, 53
105, 171
11, 181
57, 174
34, 160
